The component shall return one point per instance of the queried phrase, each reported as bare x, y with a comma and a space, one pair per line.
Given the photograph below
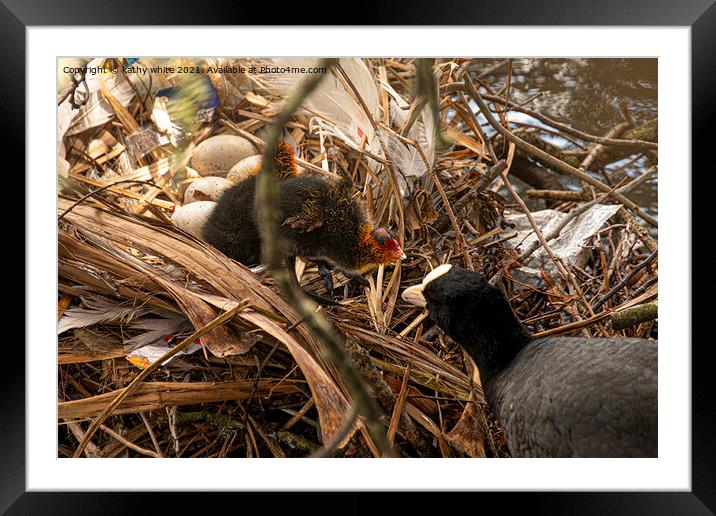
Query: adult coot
554, 396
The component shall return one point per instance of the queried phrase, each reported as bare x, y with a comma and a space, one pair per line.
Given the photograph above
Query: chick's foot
357, 278
291, 264
324, 270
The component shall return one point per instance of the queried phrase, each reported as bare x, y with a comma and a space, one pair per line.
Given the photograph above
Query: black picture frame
699, 15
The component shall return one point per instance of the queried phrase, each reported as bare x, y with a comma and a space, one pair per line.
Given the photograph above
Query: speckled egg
216, 155
208, 188
244, 168
192, 217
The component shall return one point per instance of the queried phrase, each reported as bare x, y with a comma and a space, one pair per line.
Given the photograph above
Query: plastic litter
177, 108
146, 355
569, 245
145, 141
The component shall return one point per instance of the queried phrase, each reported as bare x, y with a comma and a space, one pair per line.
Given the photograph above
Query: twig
558, 195
398, 410
151, 433
578, 325
598, 148
416, 109
129, 444
635, 315
256, 381
616, 288
491, 69
535, 227
644, 286
442, 223
571, 196
474, 123
566, 273
638, 181
625, 217
385, 395
98, 190
467, 65
488, 178
299, 415
92, 450
483, 136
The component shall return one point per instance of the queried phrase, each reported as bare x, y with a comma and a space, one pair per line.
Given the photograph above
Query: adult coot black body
554, 396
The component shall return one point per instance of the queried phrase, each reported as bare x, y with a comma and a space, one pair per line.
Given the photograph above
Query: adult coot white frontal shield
414, 294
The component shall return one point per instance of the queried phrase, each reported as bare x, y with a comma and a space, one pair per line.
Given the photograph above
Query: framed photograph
363, 258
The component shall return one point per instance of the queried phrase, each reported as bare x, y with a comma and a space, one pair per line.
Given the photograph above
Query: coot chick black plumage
321, 221
554, 396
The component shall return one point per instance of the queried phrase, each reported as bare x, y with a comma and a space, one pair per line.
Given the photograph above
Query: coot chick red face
385, 246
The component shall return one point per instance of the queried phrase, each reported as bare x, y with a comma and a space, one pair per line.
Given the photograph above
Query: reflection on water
586, 94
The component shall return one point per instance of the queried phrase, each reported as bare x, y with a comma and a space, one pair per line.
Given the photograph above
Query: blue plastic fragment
204, 93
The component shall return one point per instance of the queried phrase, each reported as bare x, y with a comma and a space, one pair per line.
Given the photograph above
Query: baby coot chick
321, 222
554, 396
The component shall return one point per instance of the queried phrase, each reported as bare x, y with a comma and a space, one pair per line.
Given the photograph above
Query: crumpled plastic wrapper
145, 356
568, 245
95, 109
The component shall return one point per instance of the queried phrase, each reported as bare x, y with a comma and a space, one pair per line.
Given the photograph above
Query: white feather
407, 162
157, 329
96, 311
406, 158
425, 134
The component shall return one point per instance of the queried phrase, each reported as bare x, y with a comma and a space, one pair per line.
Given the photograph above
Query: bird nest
132, 286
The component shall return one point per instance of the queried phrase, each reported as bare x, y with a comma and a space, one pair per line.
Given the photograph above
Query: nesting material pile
135, 277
